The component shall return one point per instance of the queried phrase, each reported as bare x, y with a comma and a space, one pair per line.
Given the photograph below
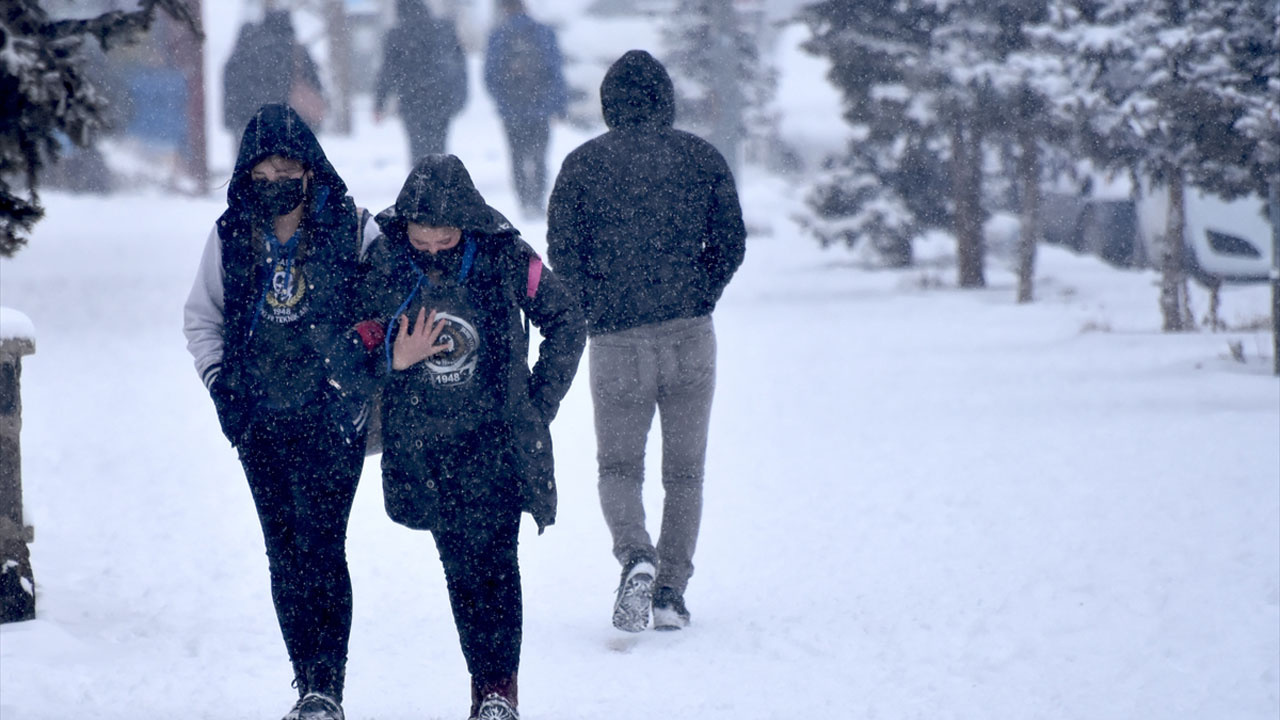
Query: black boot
299, 684
327, 678
494, 699
319, 692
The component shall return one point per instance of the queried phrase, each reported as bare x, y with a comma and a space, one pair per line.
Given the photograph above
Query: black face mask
277, 197
446, 261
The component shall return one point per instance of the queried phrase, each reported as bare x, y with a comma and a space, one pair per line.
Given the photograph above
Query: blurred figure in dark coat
425, 69
523, 70
268, 65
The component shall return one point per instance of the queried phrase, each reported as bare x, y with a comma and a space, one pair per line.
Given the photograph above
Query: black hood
637, 91
409, 12
276, 129
439, 193
279, 24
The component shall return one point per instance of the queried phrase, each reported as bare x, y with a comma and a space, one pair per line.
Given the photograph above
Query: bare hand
412, 346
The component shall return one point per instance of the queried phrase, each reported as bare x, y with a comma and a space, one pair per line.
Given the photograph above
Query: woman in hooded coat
269, 322
464, 420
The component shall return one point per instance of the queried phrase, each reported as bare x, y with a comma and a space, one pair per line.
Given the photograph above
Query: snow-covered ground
921, 502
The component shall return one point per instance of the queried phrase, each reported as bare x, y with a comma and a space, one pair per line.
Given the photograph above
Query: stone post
17, 584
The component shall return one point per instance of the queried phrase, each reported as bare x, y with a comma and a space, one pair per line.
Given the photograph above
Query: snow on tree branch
48, 97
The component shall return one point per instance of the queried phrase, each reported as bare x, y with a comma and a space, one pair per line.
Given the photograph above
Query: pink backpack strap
535, 275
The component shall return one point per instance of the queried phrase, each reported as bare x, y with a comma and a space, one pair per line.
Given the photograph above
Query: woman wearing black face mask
465, 420
269, 323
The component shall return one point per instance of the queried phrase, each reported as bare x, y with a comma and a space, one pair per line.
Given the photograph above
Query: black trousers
477, 535
303, 477
528, 139
427, 133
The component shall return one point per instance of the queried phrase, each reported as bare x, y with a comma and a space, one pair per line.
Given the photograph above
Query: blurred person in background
524, 72
268, 65
425, 70
270, 324
645, 227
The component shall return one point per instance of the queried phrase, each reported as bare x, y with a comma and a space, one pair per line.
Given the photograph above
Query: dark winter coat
326, 257
503, 284
422, 64
262, 67
524, 70
644, 223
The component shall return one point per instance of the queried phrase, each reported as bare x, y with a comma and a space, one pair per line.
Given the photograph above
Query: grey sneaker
635, 593
669, 612
496, 707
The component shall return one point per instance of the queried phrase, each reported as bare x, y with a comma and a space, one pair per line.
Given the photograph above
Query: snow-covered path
921, 503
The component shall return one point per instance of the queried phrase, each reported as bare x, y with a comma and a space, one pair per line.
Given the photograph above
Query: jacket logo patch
456, 365
288, 286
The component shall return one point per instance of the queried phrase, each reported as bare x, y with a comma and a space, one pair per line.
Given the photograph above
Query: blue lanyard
468, 259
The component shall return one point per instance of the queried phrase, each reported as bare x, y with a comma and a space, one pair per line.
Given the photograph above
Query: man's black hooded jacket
644, 223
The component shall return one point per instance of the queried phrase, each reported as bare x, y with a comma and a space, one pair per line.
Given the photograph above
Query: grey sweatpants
670, 367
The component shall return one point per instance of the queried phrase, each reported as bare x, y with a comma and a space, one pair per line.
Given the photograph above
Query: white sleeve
202, 315
369, 233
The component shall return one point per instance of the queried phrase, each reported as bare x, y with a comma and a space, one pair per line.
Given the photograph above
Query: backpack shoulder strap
535, 275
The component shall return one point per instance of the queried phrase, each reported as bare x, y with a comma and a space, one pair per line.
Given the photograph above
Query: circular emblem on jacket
457, 364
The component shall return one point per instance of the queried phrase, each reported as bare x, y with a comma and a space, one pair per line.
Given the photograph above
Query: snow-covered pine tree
1252, 45
46, 96
1026, 72
1149, 98
889, 185
1245, 35
919, 88
849, 204
1041, 133
701, 38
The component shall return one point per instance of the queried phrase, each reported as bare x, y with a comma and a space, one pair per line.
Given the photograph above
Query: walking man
425, 70
645, 228
523, 70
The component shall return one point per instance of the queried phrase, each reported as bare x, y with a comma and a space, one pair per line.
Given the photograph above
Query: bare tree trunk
1029, 172
1213, 318
966, 180
340, 63
1173, 281
191, 60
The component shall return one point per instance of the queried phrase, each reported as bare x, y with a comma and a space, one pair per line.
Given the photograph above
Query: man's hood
637, 91
276, 129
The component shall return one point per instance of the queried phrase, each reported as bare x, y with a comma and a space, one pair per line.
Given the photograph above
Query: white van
1227, 240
